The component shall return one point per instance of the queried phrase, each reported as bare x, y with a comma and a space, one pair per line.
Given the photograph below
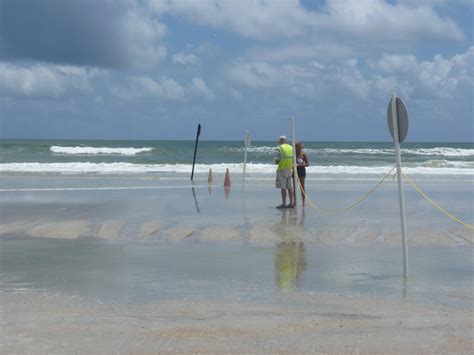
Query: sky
154, 69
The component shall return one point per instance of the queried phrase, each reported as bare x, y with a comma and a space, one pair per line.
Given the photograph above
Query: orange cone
227, 179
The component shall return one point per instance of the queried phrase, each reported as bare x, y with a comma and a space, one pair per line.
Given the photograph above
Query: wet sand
204, 214
184, 271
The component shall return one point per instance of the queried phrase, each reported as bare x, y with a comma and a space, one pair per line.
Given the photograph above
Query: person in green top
284, 182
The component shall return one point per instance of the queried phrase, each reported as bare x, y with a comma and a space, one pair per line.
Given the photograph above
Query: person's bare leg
303, 196
292, 197
283, 197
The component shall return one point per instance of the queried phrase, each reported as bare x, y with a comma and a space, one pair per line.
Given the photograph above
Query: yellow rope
434, 204
341, 210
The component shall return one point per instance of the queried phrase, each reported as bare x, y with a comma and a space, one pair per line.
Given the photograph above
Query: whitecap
438, 151
253, 169
98, 150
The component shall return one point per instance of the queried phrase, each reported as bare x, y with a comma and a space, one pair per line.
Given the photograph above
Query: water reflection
290, 258
405, 286
198, 210
290, 263
302, 218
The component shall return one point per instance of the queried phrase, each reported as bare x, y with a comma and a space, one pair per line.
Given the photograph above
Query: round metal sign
402, 115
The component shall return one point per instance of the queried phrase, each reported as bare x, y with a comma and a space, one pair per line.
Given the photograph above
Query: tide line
102, 188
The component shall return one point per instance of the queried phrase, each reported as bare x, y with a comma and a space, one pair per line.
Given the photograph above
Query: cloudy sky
153, 69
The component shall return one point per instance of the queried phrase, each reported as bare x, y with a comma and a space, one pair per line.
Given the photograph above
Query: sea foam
98, 150
252, 169
438, 151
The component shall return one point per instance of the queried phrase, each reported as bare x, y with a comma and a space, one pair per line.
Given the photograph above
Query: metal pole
247, 140
294, 158
195, 149
400, 183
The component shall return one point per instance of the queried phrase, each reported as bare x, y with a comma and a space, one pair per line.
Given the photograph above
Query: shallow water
138, 273
134, 240
137, 200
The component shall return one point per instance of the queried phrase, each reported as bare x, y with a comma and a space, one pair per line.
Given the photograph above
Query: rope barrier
360, 200
342, 210
434, 204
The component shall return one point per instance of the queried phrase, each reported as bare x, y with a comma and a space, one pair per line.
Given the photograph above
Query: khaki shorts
284, 179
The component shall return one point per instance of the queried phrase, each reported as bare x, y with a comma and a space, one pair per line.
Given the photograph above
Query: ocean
173, 159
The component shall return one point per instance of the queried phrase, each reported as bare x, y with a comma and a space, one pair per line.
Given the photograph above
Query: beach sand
182, 271
315, 323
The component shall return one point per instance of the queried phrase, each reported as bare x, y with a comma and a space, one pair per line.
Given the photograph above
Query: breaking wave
98, 150
438, 151
461, 168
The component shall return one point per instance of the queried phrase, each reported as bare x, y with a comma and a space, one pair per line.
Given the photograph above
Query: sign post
195, 149
397, 118
247, 144
294, 159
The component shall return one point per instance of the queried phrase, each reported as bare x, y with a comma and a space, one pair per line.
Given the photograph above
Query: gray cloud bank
124, 34
97, 33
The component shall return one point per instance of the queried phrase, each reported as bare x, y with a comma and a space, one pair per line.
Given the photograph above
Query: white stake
247, 143
400, 183
294, 158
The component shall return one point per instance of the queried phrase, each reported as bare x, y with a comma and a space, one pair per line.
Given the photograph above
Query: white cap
283, 137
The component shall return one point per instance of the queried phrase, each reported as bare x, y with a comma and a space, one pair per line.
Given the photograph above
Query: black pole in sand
195, 149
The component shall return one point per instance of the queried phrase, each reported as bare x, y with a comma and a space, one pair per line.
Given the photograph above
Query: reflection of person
301, 164
303, 217
288, 217
290, 260
284, 182
290, 263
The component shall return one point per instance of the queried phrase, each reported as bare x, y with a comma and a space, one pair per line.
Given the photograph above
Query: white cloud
389, 84
138, 87
142, 87
306, 80
172, 89
45, 80
201, 89
255, 19
255, 74
258, 75
186, 59
416, 3
395, 62
265, 75
142, 34
405, 74
145, 87
380, 20
325, 52
440, 77
263, 20
351, 78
